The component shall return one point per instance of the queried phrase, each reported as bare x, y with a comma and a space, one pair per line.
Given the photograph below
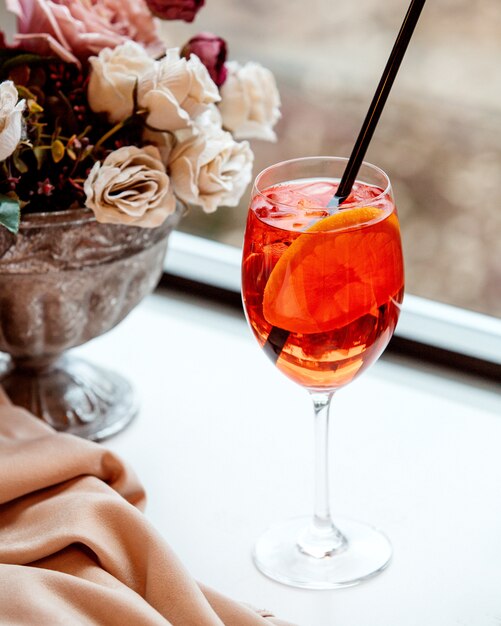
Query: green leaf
57, 150
9, 62
19, 164
11, 59
40, 152
10, 214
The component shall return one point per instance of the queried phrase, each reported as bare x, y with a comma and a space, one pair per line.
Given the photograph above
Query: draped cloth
75, 547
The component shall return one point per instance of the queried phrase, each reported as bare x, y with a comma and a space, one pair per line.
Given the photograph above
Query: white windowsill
425, 321
224, 447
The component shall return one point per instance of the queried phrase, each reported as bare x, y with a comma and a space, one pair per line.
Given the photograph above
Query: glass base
277, 555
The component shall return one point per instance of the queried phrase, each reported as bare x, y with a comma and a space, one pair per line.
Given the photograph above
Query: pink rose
175, 9
211, 50
77, 29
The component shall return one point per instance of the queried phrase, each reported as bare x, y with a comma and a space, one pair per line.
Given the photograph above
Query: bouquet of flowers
96, 112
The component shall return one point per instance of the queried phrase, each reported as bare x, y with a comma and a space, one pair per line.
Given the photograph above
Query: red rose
211, 50
175, 9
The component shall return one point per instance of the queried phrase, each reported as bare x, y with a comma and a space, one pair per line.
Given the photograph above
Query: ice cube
305, 204
319, 188
362, 193
316, 213
273, 251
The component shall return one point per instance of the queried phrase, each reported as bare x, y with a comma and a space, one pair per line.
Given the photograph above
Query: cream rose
210, 169
130, 187
161, 140
176, 92
11, 119
250, 101
113, 78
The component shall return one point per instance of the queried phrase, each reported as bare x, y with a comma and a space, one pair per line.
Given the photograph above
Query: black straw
278, 337
378, 102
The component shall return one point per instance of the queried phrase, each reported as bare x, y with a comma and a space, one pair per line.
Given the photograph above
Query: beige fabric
75, 548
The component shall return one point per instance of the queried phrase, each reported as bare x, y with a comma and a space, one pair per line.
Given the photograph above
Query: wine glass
322, 290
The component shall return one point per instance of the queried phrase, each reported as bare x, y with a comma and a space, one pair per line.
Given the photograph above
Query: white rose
250, 101
209, 121
11, 119
164, 142
176, 92
210, 169
130, 187
113, 78
210, 117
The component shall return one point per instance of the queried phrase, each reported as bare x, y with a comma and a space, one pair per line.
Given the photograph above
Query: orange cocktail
330, 279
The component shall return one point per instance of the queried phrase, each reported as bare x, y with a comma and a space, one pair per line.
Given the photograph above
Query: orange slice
338, 270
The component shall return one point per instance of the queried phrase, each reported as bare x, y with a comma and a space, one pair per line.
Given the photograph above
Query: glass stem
322, 538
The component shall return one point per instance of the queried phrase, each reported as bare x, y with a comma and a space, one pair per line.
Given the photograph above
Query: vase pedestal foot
71, 395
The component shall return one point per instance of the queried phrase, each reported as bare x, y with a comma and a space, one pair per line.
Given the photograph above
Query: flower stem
109, 134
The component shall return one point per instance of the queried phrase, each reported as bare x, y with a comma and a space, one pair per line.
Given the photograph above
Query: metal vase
65, 279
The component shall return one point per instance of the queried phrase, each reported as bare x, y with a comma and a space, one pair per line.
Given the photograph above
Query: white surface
224, 444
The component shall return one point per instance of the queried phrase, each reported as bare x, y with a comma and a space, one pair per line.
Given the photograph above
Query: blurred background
439, 138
